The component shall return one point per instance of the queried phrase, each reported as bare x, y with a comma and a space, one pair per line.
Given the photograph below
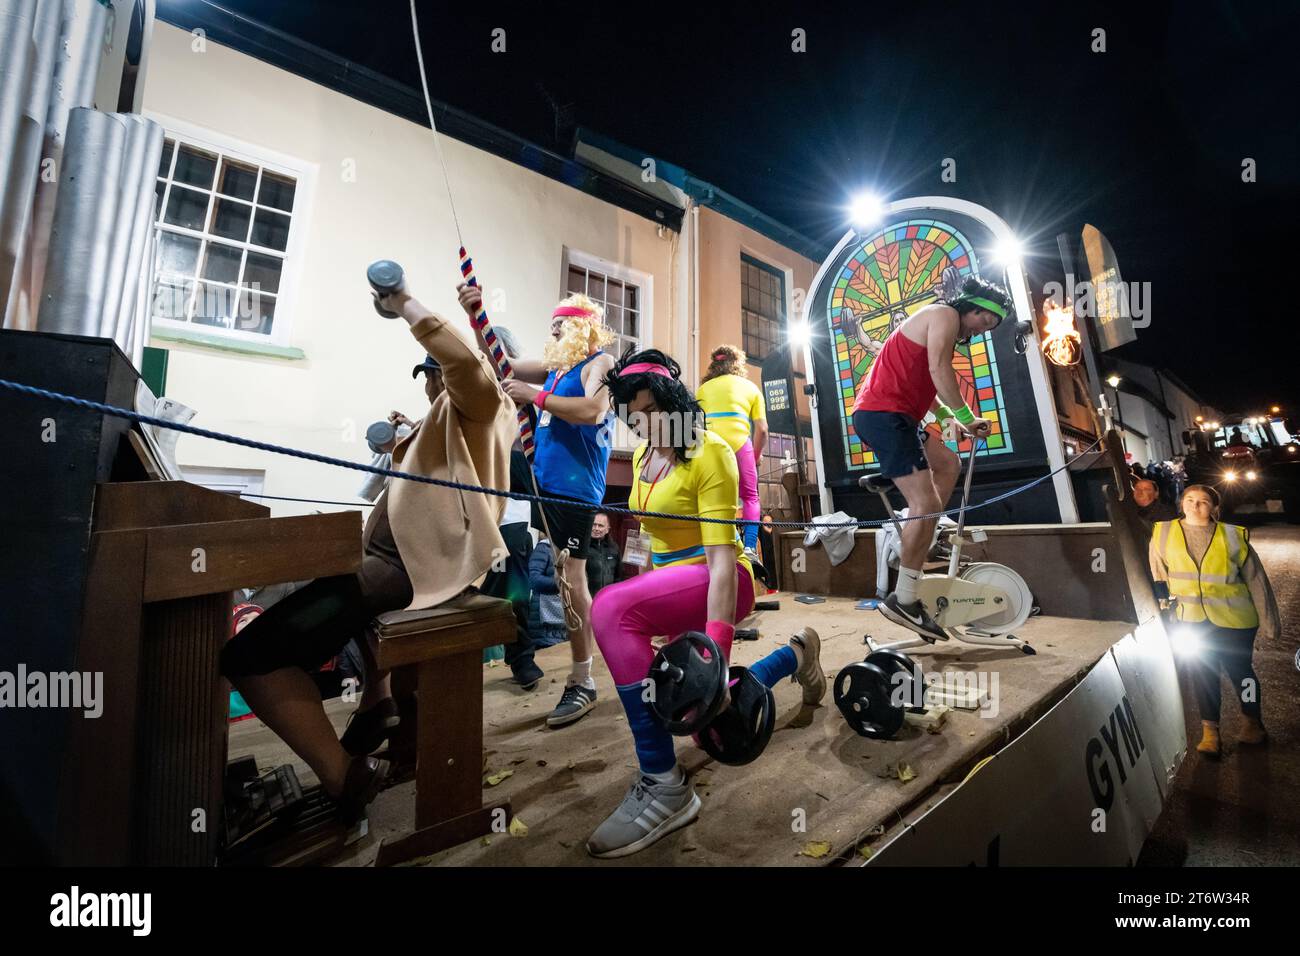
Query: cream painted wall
722, 241
517, 225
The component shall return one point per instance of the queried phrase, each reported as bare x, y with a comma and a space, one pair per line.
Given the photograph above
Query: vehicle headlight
1229, 476
1250, 476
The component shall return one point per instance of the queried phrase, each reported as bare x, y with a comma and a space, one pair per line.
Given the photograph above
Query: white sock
798, 653
905, 590
673, 778
581, 674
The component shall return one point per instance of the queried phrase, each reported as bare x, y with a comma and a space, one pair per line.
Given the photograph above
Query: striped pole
482, 324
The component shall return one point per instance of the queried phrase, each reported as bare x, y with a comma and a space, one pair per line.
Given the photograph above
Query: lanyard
662, 472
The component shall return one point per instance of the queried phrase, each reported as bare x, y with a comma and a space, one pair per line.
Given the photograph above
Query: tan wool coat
448, 538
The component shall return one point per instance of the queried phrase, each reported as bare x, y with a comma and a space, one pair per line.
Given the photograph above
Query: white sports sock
673, 778
581, 674
905, 590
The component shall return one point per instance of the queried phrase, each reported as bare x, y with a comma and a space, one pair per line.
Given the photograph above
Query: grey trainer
649, 811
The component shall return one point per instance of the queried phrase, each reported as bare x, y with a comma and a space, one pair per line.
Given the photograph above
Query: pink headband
563, 311
649, 367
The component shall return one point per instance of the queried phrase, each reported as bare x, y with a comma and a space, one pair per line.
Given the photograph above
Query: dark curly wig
670, 396
973, 287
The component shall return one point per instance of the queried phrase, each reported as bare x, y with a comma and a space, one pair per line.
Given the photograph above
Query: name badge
637, 550
544, 420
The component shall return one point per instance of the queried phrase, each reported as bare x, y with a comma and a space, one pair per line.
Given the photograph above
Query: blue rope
133, 416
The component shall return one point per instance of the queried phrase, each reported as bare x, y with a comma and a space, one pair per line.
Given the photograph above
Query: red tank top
899, 380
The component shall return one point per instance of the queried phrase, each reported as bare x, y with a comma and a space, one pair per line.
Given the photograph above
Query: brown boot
1254, 732
1209, 744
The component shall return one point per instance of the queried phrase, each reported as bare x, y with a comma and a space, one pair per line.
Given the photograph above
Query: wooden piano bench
441, 648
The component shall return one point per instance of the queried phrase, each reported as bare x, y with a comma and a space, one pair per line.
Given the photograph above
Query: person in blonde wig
736, 414
570, 459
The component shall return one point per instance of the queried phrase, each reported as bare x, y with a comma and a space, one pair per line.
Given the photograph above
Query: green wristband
942, 413
964, 415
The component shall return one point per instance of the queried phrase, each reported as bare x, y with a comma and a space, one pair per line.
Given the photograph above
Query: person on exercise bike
913, 375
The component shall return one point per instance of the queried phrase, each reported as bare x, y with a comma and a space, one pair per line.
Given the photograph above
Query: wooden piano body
100, 572
142, 784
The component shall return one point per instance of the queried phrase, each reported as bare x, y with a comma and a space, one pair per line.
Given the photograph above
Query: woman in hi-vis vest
1223, 595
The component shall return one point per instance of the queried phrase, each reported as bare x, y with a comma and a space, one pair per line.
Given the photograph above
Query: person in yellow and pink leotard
735, 411
697, 578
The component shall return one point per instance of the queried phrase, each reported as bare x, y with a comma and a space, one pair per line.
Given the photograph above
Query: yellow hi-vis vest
1215, 589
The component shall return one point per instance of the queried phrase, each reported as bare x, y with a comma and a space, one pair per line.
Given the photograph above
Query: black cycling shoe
367, 730
913, 617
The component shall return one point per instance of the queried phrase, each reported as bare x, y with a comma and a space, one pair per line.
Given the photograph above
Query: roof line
294, 55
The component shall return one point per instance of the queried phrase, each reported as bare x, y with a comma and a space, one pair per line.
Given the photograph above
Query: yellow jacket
1214, 589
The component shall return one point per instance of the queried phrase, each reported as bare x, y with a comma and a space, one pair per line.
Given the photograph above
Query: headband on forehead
564, 311
649, 368
987, 304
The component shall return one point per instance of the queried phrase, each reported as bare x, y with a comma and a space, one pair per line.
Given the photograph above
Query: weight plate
893, 661
862, 695
689, 683
740, 733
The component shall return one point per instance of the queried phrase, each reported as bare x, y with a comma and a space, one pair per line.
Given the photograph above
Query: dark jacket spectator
603, 558
546, 610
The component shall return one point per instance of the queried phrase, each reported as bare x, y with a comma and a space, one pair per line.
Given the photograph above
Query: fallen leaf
905, 773
865, 852
518, 828
517, 761
815, 849
485, 841
541, 763
493, 779
689, 848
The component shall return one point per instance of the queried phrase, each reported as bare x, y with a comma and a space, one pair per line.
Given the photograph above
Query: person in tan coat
422, 545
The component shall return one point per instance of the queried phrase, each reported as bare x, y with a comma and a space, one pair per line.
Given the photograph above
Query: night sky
1145, 141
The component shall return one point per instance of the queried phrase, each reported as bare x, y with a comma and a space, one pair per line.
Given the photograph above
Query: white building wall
517, 225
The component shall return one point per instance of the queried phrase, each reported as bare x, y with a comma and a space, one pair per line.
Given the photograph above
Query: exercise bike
981, 603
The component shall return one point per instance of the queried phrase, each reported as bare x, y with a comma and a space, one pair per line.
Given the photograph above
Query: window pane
159, 188
230, 219
186, 208
577, 280
614, 319
614, 292
632, 323
256, 312
263, 272
165, 162
276, 191
215, 305
596, 286
237, 179
221, 262
631, 297
177, 255
195, 166
169, 300
270, 229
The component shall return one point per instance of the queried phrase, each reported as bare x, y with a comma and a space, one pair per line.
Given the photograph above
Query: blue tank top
571, 459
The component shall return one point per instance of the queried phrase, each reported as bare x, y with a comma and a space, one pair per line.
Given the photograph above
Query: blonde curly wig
581, 336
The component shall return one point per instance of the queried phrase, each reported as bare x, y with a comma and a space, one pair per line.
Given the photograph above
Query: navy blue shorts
897, 439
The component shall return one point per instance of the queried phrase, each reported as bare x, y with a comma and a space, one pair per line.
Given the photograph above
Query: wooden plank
473, 634
249, 552
96, 786
449, 762
151, 504
447, 833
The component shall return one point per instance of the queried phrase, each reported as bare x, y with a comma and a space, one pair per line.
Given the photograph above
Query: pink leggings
751, 509
626, 615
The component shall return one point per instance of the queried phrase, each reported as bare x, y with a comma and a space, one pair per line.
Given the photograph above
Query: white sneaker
650, 810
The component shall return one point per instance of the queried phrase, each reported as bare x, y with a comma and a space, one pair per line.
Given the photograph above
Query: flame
1060, 337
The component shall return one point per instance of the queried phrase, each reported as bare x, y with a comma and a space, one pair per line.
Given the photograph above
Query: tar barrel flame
1060, 337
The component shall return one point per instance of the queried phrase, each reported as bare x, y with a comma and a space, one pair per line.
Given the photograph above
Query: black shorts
570, 527
314, 623
897, 439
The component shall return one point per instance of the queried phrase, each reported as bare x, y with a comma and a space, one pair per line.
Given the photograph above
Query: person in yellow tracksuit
1224, 595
